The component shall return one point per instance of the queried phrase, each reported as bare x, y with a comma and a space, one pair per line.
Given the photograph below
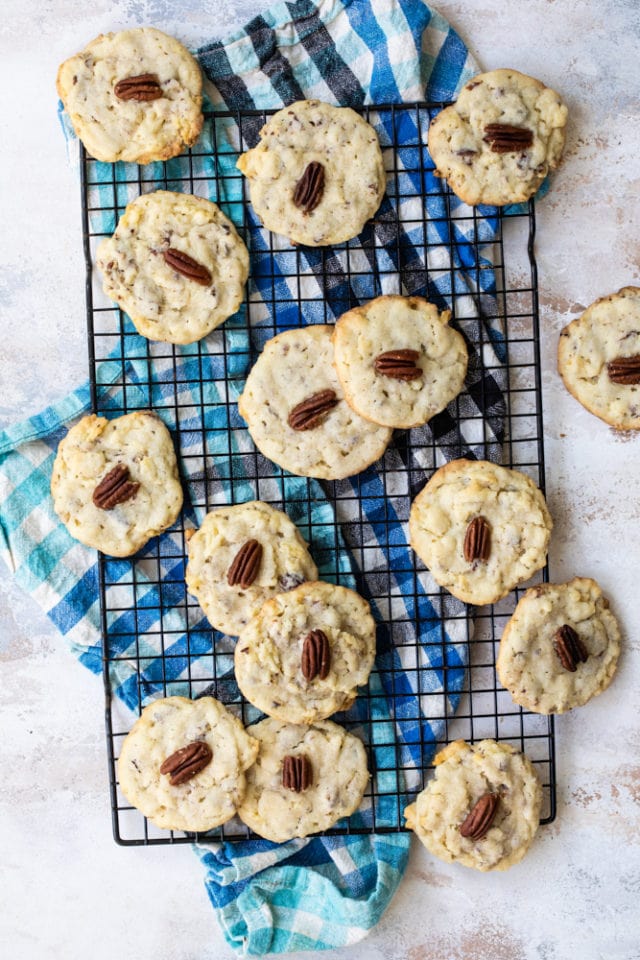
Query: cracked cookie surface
88, 453
464, 774
608, 331
138, 131
285, 562
209, 798
162, 302
338, 775
343, 144
481, 160
294, 366
394, 323
518, 520
269, 653
528, 665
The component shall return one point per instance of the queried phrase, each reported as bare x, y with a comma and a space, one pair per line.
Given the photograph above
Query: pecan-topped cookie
241, 556
176, 265
296, 412
482, 808
317, 174
115, 483
599, 358
183, 763
304, 780
398, 360
480, 528
134, 95
303, 655
560, 648
499, 140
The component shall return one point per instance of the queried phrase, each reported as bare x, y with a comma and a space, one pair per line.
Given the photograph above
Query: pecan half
143, 87
186, 762
187, 266
246, 564
505, 138
477, 540
399, 364
316, 655
309, 189
308, 414
569, 647
477, 823
624, 370
115, 488
296, 773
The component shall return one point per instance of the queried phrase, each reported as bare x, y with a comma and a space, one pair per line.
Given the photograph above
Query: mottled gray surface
67, 890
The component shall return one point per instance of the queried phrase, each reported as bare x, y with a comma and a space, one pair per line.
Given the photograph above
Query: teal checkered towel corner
320, 892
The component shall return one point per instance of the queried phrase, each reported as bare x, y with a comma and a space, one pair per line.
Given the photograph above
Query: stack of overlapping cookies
322, 401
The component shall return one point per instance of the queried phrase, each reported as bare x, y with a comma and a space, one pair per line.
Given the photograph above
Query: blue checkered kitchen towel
320, 892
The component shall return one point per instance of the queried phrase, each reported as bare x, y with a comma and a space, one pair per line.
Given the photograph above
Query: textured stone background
67, 890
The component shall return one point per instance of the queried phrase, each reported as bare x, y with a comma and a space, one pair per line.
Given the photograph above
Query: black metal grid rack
155, 639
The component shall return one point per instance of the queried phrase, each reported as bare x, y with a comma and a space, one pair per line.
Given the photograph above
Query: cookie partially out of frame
303, 655
176, 265
599, 358
183, 763
500, 139
304, 780
398, 360
560, 648
317, 175
134, 96
241, 556
480, 528
482, 808
296, 413
115, 483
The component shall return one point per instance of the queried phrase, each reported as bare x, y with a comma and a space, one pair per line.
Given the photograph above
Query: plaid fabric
320, 892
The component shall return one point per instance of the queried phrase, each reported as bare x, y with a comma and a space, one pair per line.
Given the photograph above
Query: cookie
482, 808
302, 656
296, 413
183, 763
317, 175
240, 557
500, 139
176, 265
398, 360
115, 483
134, 95
481, 529
599, 358
560, 648
304, 780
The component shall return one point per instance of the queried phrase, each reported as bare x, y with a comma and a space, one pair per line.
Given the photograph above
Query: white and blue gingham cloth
320, 892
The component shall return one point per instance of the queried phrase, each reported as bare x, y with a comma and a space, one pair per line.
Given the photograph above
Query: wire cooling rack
481, 264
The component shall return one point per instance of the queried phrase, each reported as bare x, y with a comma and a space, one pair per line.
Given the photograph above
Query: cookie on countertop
183, 763
134, 96
560, 648
398, 360
599, 358
302, 657
296, 412
500, 139
482, 808
176, 265
480, 528
240, 557
115, 483
304, 780
317, 174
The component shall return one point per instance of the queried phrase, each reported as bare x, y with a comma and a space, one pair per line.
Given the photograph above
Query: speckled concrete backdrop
67, 891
